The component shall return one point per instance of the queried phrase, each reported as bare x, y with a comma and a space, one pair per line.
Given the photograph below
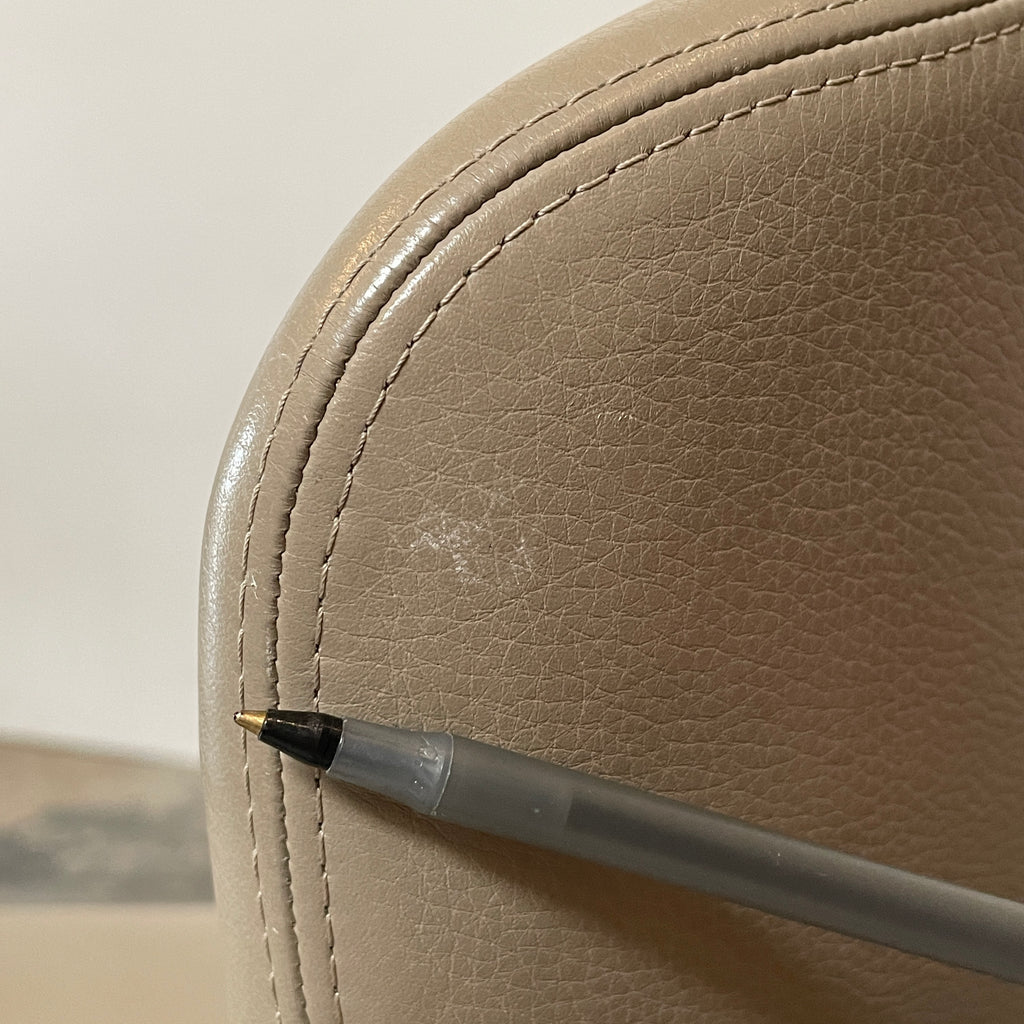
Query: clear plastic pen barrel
535, 802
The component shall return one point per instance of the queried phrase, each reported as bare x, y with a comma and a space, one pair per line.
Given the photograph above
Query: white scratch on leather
461, 169
332, 304
636, 159
279, 413
465, 166
297, 370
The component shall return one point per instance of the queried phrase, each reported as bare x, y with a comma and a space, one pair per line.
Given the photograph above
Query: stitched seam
259, 885
279, 413
333, 304
251, 824
462, 168
326, 888
971, 5
250, 817
556, 204
564, 199
976, 5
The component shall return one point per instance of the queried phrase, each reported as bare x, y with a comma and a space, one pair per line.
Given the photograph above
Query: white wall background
169, 176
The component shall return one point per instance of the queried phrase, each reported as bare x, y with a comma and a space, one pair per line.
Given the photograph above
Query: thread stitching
279, 413
733, 115
245, 745
462, 168
558, 203
325, 884
259, 885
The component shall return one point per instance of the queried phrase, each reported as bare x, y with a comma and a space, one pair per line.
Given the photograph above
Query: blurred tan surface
87, 827
105, 908
112, 962
38, 775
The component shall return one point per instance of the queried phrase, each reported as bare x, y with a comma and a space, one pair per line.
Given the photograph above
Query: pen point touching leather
251, 720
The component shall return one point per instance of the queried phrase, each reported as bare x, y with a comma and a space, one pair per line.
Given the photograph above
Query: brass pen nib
251, 720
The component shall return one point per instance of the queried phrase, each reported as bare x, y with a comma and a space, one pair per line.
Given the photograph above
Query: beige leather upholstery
664, 417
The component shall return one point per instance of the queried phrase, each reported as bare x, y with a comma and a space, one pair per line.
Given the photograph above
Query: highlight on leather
662, 417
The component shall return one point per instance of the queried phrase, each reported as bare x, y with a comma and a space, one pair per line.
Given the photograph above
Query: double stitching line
279, 413
563, 200
486, 258
433, 190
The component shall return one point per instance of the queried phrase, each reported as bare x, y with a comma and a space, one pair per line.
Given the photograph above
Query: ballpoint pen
503, 793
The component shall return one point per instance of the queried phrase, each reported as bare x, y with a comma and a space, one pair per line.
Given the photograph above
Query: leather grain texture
674, 430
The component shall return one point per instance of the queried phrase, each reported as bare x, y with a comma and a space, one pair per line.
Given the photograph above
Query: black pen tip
305, 735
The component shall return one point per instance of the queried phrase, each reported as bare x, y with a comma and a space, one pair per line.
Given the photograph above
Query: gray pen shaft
535, 802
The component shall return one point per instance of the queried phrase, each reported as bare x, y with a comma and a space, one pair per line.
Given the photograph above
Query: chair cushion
673, 430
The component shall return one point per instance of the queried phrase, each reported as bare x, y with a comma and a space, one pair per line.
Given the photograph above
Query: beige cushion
97, 963
662, 417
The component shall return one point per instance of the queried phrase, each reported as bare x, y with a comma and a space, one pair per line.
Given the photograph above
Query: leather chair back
662, 417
